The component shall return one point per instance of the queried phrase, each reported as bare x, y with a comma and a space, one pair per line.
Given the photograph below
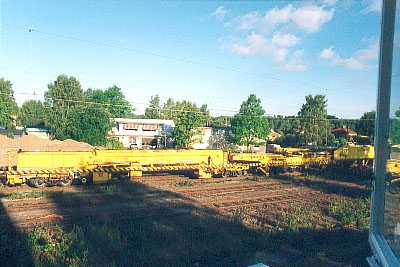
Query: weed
351, 213
297, 218
58, 248
23, 195
237, 216
185, 183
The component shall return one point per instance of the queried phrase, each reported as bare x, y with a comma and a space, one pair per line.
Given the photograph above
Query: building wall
144, 133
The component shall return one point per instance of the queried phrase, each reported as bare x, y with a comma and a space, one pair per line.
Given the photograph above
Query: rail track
84, 207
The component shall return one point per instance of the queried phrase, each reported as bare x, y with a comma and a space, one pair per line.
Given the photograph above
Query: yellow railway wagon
52, 160
160, 157
354, 152
41, 168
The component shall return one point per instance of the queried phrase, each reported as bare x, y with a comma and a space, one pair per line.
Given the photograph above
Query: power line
167, 57
267, 116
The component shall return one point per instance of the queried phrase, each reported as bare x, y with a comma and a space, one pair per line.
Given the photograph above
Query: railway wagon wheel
38, 182
66, 182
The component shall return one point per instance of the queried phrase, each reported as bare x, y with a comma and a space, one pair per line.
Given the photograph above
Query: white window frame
383, 255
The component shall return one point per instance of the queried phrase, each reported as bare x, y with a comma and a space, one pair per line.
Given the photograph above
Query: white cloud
308, 18
285, 39
327, 53
360, 60
295, 63
220, 13
311, 18
372, 6
257, 45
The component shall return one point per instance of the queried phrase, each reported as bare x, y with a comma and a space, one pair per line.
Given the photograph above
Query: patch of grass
354, 213
58, 248
296, 218
185, 183
23, 195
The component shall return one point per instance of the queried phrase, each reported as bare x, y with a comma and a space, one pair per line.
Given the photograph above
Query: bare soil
248, 213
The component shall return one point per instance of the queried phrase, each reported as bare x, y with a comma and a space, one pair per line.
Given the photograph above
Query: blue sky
210, 52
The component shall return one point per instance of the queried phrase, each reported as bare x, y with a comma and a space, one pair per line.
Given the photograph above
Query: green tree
188, 121
32, 113
154, 109
90, 124
113, 99
221, 121
313, 121
250, 125
61, 98
366, 125
8, 106
395, 128
168, 109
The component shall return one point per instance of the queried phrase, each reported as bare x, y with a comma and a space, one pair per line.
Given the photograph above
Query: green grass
353, 213
183, 184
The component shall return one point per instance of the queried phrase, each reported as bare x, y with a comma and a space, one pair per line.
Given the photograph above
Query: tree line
69, 112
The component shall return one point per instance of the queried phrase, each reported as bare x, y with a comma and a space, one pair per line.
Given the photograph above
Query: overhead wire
168, 57
268, 116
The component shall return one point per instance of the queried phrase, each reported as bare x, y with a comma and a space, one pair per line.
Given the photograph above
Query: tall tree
61, 98
188, 122
250, 125
113, 99
366, 125
32, 113
90, 124
154, 109
395, 128
314, 122
8, 106
168, 109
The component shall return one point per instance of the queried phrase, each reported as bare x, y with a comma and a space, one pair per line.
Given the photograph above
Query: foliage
10, 135
187, 124
366, 124
8, 106
284, 125
90, 124
338, 123
154, 109
114, 101
114, 144
288, 140
167, 111
313, 121
60, 101
65, 249
351, 213
221, 121
249, 124
297, 218
395, 128
32, 113
338, 142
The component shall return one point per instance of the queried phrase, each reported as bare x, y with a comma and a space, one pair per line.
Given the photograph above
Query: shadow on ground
14, 244
332, 182
130, 224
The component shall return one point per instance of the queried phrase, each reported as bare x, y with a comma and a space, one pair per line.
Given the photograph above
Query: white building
38, 131
144, 133
213, 138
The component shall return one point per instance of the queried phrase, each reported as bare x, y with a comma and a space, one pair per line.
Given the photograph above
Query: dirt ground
174, 221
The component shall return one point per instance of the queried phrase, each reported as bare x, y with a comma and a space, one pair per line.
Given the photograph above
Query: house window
150, 127
131, 126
